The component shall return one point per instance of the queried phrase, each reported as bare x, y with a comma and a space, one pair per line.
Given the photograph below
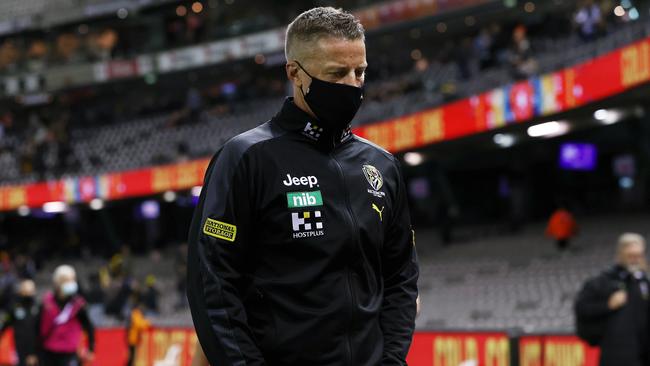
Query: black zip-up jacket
301, 250
623, 334
23, 319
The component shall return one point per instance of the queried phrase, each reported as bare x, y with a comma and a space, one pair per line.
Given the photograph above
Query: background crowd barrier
427, 349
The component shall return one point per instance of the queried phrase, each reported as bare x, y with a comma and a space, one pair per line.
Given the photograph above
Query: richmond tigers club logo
373, 176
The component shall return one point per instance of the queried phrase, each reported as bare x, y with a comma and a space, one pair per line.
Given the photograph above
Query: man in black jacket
612, 308
301, 250
23, 319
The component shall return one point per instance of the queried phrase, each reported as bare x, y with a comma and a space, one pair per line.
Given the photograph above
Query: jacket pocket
261, 320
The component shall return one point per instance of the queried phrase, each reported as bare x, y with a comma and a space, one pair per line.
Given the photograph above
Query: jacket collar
623, 274
292, 118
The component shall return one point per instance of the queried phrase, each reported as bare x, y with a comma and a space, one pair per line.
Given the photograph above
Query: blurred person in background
562, 227
95, 293
340, 245
612, 308
521, 54
136, 325
151, 295
180, 266
589, 20
23, 319
8, 281
95, 297
119, 284
62, 319
25, 267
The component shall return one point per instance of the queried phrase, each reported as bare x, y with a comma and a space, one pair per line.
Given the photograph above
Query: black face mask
26, 300
333, 104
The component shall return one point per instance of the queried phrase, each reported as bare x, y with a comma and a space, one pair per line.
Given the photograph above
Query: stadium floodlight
197, 7
196, 191
169, 196
413, 158
504, 140
23, 210
619, 11
608, 116
601, 114
96, 204
548, 129
55, 207
150, 209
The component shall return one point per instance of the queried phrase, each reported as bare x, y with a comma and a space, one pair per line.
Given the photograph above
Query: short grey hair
628, 239
61, 272
321, 22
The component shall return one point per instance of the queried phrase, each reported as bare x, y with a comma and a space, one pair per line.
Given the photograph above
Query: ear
292, 73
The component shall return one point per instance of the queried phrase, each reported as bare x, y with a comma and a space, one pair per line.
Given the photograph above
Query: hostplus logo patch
312, 131
307, 224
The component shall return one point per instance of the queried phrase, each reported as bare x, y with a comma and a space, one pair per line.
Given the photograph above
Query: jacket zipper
355, 227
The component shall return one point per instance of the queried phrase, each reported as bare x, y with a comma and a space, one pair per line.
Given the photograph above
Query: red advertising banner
556, 351
111, 349
548, 94
428, 349
110, 186
454, 349
388, 12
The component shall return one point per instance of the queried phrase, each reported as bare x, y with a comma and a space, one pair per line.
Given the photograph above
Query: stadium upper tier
168, 38
179, 136
20, 15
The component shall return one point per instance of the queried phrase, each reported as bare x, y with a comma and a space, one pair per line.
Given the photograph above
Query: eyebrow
342, 68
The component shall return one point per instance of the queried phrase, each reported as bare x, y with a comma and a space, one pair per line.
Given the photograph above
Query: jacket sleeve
400, 275
218, 241
87, 326
591, 302
6, 322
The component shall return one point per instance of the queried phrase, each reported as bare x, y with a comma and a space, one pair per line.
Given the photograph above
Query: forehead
27, 285
338, 52
67, 276
634, 248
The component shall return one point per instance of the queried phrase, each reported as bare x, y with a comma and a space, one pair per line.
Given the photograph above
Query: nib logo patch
304, 199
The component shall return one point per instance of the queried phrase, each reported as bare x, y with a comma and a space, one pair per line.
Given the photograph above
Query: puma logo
380, 212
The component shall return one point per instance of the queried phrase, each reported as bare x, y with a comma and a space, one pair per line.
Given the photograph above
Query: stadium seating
514, 282
11, 9
489, 282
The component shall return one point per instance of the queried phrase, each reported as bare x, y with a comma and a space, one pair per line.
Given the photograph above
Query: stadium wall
427, 349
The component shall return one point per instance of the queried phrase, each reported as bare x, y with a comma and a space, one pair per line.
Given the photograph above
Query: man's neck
299, 101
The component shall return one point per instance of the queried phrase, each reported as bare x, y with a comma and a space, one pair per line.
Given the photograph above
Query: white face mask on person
69, 288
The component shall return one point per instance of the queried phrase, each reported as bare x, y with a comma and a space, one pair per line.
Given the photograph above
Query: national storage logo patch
220, 230
304, 199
